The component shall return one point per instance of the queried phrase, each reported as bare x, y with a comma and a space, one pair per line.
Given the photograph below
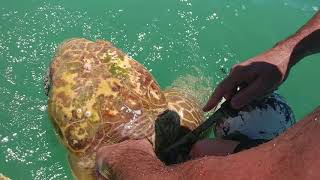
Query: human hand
126, 160
262, 75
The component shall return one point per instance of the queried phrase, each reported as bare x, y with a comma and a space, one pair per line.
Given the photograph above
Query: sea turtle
98, 95
2, 177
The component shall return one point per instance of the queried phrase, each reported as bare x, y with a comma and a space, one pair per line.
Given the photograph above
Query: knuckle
235, 66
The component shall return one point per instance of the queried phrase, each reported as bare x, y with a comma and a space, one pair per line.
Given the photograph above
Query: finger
227, 88
254, 90
224, 89
103, 169
101, 155
99, 176
101, 165
214, 99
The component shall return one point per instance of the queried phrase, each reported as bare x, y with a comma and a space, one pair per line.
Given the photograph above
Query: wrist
304, 42
289, 51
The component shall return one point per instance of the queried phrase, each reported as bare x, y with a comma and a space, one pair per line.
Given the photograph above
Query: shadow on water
167, 36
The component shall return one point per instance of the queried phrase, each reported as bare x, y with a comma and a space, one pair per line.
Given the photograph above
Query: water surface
185, 42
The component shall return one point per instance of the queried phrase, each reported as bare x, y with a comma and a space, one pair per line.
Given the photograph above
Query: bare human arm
265, 72
295, 155
276, 159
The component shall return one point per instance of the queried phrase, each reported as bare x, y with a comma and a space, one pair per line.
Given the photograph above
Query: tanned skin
295, 155
265, 72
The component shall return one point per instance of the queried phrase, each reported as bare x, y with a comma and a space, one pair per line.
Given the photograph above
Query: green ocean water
184, 42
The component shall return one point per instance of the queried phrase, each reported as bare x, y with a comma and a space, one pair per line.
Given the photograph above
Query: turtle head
168, 130
183, 115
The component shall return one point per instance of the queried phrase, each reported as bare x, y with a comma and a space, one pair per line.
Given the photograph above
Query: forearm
273, 160
137, 165
134, 160
304, 42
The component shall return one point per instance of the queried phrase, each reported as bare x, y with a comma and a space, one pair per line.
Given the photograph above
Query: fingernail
103, 169
99, 164
97, 172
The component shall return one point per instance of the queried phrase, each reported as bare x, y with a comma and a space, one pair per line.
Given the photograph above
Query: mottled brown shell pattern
191, 115
99, 96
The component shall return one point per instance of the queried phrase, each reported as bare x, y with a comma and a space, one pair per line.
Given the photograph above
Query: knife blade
190, 138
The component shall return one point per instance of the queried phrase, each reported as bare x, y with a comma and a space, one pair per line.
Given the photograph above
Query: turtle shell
99, 95
187, 106
2, 177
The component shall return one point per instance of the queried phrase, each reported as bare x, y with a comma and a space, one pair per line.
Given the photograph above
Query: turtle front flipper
99, 96
2, 177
